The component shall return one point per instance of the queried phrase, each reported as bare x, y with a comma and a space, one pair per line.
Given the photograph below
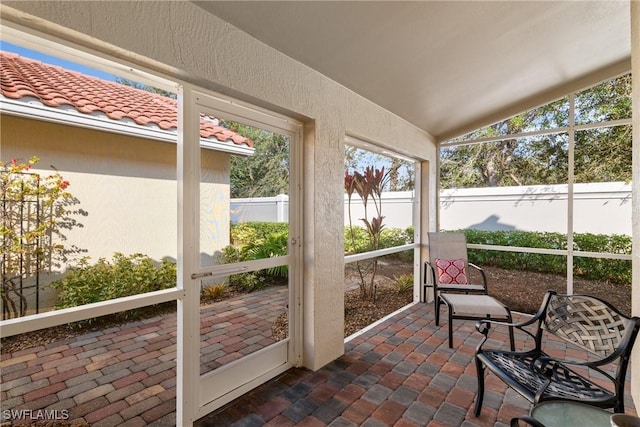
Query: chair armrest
430, 271
484, 325
536, 318
484, 276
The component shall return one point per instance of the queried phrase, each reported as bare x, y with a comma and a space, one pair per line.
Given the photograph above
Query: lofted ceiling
448, 67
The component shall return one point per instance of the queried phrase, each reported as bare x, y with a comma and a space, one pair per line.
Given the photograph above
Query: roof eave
33, 109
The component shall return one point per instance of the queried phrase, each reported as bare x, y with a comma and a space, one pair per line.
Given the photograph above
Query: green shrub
242, 234
105, 280
273, 245
356, 240
396, 237
230, 254
246, 232
249, 282
215, 291
257, 240
404, 283
607, 270
389, 238
617, 244
409, 231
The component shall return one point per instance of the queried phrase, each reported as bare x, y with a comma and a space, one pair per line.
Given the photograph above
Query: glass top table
568, 414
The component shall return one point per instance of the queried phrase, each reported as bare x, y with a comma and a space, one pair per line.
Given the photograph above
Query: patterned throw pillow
451, 272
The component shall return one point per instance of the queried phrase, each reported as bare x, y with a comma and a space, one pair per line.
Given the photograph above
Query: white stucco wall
178, 37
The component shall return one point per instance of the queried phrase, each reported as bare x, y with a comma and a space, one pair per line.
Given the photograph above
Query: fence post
281, 207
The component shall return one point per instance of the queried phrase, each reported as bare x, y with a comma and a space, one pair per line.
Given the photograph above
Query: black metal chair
584, 321
525, 420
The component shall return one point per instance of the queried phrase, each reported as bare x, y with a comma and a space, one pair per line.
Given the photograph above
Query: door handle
200, 275
220, 272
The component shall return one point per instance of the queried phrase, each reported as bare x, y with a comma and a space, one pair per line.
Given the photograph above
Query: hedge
607, 270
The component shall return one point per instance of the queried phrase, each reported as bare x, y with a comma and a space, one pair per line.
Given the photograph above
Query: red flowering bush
369, 187
33, 207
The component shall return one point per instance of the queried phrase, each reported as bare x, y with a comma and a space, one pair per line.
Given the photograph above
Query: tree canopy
601, 154
401, 172
148, 88
266, 172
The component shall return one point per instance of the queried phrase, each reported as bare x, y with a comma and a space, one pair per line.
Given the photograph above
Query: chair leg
436, 301
480, 394
511, 339
450, 313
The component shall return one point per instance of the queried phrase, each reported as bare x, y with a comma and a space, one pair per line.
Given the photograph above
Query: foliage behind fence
608, 270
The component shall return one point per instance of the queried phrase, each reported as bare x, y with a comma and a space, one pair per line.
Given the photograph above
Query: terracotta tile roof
57, 87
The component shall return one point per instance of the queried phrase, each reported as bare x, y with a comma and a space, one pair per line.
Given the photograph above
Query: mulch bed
359, 313
523, 290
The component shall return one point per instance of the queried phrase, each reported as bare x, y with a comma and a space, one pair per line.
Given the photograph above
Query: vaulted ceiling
448, 67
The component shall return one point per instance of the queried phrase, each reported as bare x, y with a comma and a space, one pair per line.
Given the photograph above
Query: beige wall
125, 187
178, 37
635, 285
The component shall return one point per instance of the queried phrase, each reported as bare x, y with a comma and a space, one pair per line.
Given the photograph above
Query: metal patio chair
582, 322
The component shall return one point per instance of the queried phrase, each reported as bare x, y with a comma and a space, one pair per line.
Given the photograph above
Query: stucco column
635, 281
323, 292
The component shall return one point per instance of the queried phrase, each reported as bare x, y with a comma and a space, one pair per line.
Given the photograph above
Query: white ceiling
448, 67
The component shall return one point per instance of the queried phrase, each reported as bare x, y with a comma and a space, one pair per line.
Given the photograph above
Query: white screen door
244, 243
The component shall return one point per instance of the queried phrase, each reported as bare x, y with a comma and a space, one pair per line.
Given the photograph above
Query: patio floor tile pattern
400, 373
126, 374
234, 328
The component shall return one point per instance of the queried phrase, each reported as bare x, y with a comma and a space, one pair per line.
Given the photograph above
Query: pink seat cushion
451, 272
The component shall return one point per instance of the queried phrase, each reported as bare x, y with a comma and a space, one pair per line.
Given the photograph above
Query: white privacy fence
599, 208
270, 209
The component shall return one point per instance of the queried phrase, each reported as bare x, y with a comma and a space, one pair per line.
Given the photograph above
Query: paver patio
401, 372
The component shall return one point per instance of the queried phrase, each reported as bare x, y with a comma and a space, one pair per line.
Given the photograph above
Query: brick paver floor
125, 375
401, 372
234, 328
